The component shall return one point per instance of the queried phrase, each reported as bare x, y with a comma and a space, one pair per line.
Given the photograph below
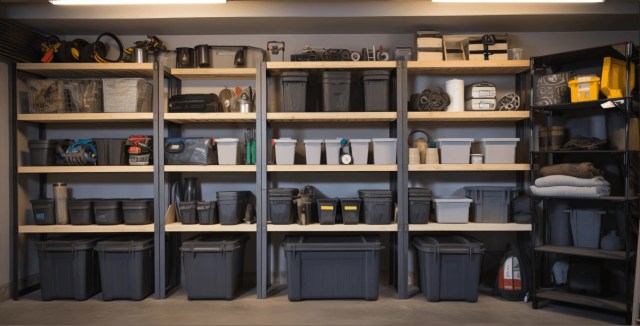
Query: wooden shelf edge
331, 116
86, 117
470, 116
332, 168
210, 117
85, 169
471, 227
468, 167
584, 252
332, 228
121, 228
470, 66
331, 65
213, 73
179, 227
209, 168
583, 300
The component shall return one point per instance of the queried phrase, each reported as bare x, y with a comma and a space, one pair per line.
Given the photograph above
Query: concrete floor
277, 310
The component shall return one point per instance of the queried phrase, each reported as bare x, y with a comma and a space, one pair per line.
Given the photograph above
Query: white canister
455, 90
477, 158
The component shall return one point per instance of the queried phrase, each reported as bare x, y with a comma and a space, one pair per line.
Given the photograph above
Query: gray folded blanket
568, 191
579, 170
565, 180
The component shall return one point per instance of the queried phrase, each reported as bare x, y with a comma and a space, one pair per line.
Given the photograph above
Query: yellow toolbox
584, 88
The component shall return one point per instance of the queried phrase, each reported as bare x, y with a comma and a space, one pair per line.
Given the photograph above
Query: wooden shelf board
315, 227
85, 228
209, 168
85, 169
469, 167
470, 116
179, 227
460, 67
331, 116
210, 117
332, 168
331, 65
214, 73
86, 117
82, 69
584, 252
583, 300
470, 227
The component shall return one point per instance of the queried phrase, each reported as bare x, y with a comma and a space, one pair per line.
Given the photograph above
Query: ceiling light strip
131, 2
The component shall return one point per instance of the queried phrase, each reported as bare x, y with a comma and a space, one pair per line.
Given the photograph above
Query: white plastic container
455, 150
332, 150
497, 150
360, 150
384, 150
227, 151
313, 150
452, 209
285, 150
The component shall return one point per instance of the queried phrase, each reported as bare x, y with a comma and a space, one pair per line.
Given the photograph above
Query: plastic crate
455, 150
232, 206
350, 210
497, 150
108, 212
42, 152
384, 150
137, 211
80, 212
419, 205
490, 204
584, 88
452, 209
327, 209
377, 206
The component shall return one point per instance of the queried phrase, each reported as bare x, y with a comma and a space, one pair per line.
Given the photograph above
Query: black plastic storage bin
490, 203
294, 90
327, 210
350, 210
281, 207
214, 265
377, 206
232, 206
42, 152
126, 267
336, 88
107, 212
111, 151
332, 267
68, 267
137, 211
80, 212
376, 90
44, 211
188, 212
207, 212
449, 267
419, 205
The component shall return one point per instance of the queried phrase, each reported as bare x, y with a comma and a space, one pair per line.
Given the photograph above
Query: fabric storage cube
452, 209
553, 89
189, 151
454, 150
490, 204
227, 151
127, 95
497, 150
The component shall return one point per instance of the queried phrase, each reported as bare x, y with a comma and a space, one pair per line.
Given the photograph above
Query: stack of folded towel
581, 180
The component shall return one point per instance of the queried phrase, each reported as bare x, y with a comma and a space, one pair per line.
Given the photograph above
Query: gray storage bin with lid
80, 212
336, 88
42, 152
281, 207
350, 210
188, 212
419, 205
69, 267
451, 209
491, 204
190, 151
294, 91
232, 206
137, 211
126, 267
497, 150
449, 267
376, 90
111, 151
107, 211
44, 212
214, 265
585, 227
207, 212
377, 206
332, 267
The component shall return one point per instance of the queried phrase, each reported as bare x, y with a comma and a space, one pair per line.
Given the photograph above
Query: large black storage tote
189, 151
68, 268
126, 267
449, 267
332, 267
213, 265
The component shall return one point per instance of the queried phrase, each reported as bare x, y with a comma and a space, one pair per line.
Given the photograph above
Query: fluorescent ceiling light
523, 1
132, 2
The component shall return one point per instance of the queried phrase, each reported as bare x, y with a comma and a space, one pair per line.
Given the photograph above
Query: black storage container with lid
80, 212
214, 265
42, 152
327, 210
69, 267
137, 211
232, 206
126, 267
44, 212
449, 267
332, 267
350, 210
107, 211
376, 90
336, 87
281, 207
188, 212
377, 206
294, 90
207, 212
419, 205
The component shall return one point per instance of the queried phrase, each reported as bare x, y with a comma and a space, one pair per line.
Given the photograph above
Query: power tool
140, 150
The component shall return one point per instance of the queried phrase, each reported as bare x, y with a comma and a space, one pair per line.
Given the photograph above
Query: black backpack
514, 275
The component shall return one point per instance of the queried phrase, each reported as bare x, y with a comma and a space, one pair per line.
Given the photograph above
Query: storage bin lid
227, 140
136, 203
448, 244
452, 199
375, 193
126, 243
376, 74
469, 140
360, 140
69, 243
333, 141
294, 74
419, 191
290, 192
215, 243
285, 140
486, 140
231, 194
340, 75
332, 243
393, 140
202, 205
347, 201
313, 141
106, 203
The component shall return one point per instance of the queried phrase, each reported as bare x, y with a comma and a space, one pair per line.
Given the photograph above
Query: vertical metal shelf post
402, 127
261, 182
158, 179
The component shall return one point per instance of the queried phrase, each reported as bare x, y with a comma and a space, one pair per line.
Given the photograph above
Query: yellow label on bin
326, 208
350, 208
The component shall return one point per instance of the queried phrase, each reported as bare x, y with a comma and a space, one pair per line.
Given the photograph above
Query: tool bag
514, 275
189, 151
140, 150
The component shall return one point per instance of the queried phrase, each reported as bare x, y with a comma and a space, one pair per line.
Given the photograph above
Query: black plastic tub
419, 205
377, 206
42, 152
137, 211
111, 151
350, 210
327, 210
107, 212
80, 212
294, 90
207, 212
336, 87
376, 90
188, 212
281, 207
232, 206
44, 212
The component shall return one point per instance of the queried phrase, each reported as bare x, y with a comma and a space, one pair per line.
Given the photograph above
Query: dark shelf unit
623, 204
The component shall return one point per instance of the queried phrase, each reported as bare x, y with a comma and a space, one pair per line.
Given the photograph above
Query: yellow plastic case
614, 77
584, 88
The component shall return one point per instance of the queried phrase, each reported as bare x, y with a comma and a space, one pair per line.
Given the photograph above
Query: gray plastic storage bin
80, 212
207, 212
585, 227
376, 90
126, 267
449, 267
294, 91
111, 151
107, 212
68, 267
377, 206
44, 212
360, 150
285, 150
188, 212
490, 204
332, 267
452, 209
42, 152
327, 209
332, 151
455, 150
281, 207
497, 150
232, 206
350, 210
213, 265
336, 87
227, 151
384, 150
313, 150
137, 211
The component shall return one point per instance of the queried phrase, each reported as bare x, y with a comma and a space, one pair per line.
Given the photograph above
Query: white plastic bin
360, 150
497, 150
227, 151
455, 150
313, 150
285, 150
384, 150
332, 151
452, 209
